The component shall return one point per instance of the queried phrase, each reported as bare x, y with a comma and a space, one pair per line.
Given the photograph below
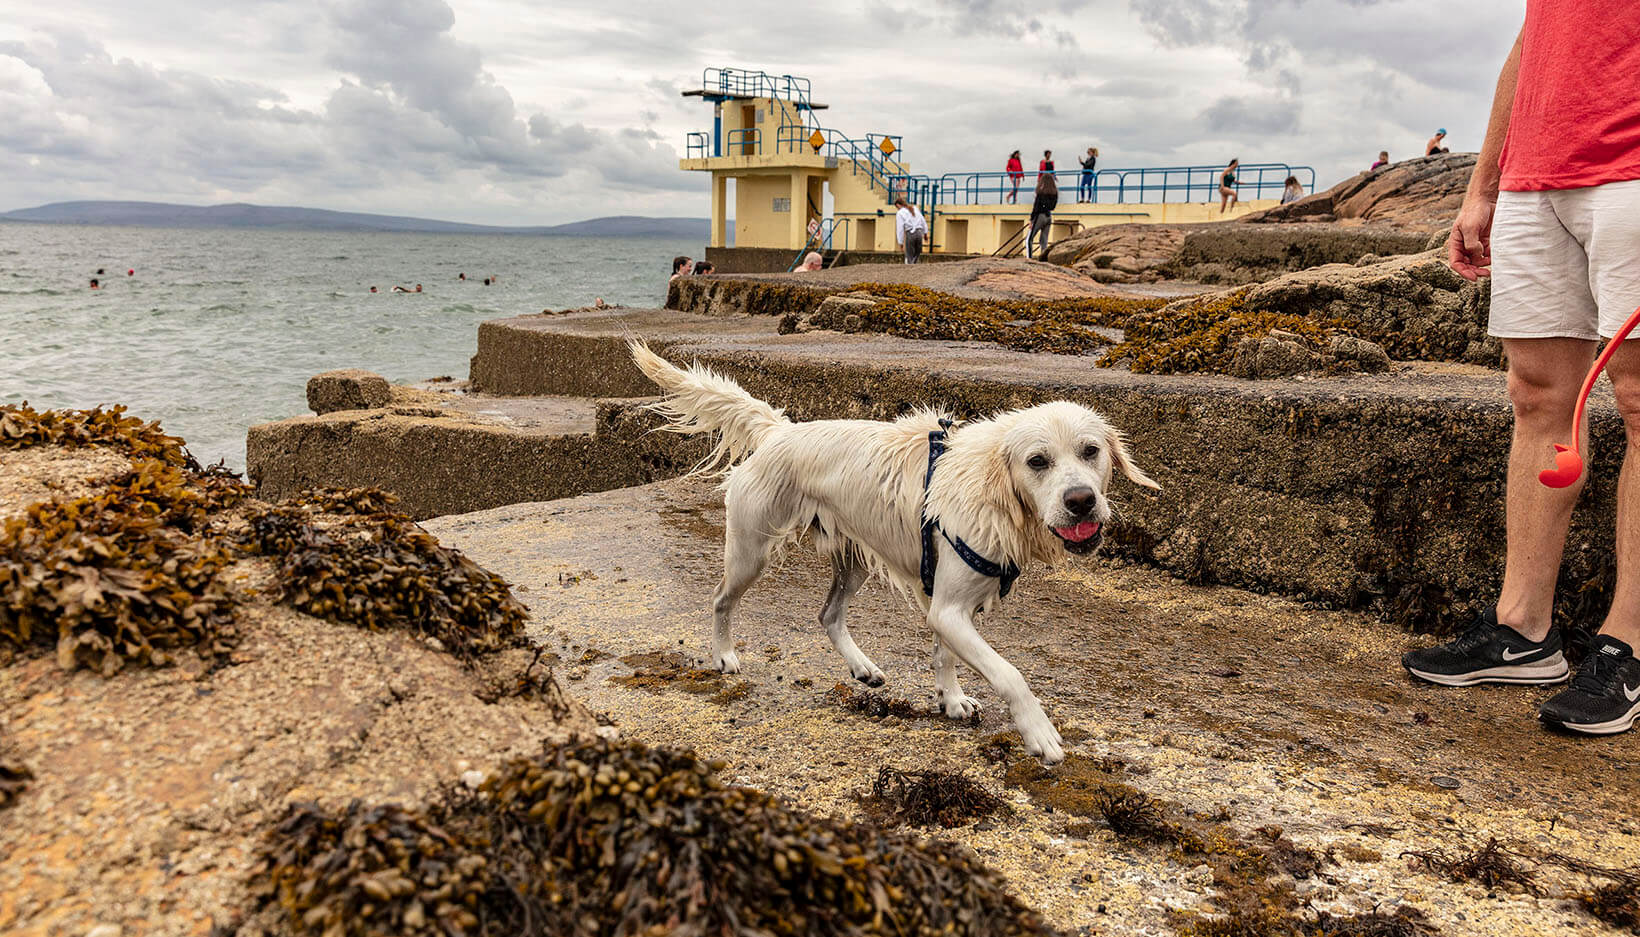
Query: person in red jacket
1016, 172
1552, 214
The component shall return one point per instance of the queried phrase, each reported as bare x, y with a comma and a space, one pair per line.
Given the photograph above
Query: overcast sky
519, 112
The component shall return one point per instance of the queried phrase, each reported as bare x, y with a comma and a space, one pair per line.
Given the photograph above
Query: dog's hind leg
948, 694
747, 549
848, 573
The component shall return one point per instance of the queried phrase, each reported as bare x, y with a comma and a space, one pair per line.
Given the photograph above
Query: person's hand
1469, 249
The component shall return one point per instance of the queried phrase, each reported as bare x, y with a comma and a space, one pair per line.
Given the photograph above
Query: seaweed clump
1060, 326
876, 705
659, 670
1193, 335
380, 570
126, 575
1493, 865
1617, 903
930, 798
614, 838
1201, 335
21, 427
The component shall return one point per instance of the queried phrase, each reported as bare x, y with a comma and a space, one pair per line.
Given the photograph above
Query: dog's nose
1081, 501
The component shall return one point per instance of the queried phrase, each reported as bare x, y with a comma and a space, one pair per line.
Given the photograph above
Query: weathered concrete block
450, 463
347, 389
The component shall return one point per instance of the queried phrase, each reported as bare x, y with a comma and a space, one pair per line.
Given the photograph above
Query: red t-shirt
1576, 117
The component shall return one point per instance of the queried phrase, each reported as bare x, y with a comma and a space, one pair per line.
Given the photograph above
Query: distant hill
280, 217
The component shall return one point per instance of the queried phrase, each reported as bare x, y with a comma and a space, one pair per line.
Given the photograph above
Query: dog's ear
999, 489
1119, 454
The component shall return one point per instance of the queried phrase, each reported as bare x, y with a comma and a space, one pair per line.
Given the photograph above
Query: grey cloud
1138, 89
1246, 116
1045, 110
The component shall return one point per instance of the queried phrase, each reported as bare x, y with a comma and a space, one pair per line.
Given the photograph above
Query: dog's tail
698, 400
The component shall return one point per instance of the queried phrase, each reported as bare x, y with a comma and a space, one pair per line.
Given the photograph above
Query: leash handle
1568, 461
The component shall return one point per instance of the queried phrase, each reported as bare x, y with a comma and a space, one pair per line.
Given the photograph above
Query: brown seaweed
929, 798
613, 838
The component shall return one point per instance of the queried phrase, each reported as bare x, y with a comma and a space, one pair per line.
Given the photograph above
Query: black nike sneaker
1604, 697
1490, 653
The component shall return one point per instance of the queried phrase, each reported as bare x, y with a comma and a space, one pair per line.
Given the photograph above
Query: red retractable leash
1568, 462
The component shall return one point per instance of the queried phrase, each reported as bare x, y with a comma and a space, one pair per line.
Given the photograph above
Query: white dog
1023, 486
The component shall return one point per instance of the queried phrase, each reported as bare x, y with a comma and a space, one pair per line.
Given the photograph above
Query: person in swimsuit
1227, 186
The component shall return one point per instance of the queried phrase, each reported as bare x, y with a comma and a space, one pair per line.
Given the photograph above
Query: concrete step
1381, 492
465, 452
1213, 698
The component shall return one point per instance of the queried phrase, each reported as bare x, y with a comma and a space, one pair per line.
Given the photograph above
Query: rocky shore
283, 707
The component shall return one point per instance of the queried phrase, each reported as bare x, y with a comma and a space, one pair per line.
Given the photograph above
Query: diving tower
768, 138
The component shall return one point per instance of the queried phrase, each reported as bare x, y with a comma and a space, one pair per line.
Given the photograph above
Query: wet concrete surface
554, 416
1215, 698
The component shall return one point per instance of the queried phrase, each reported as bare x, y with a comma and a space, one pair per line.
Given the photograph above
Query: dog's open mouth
1080, 538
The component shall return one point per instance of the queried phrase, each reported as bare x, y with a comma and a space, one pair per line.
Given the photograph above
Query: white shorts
1566, 262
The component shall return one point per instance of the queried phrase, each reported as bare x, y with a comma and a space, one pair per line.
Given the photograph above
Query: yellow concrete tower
786, 166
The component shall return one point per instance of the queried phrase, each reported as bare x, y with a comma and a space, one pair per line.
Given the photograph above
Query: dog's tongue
1080, 532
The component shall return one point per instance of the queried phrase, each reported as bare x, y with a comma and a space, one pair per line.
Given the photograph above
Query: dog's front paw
728, 662
958, 706
871, 676
1042, 742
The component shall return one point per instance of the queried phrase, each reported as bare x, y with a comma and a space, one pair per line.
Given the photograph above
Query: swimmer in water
486, 281
372, 289
94, 284
418, 287
400, 289
461, 276
99, 271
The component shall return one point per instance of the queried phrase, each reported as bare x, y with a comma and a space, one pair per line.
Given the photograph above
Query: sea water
220, 328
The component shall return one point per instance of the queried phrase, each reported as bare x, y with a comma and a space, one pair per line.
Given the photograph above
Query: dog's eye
1038, 462
1089, 453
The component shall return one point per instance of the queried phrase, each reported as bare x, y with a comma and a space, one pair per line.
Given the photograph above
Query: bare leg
848, 574
954, 626
1623, 620
1544, 377
947, 692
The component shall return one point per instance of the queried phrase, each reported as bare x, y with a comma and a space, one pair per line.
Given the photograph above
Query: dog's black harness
930, 556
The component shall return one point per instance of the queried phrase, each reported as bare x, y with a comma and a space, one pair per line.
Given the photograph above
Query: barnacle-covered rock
347, 389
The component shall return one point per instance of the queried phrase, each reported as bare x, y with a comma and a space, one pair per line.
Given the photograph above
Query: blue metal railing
1119, 186
748, 139
749, 83
698, 145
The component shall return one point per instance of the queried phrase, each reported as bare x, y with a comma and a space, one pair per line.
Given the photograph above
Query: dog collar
1006, 574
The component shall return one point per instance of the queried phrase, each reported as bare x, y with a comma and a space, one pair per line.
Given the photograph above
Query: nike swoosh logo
1509, 656
1633, 693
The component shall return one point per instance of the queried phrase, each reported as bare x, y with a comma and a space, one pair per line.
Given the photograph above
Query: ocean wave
222, 307
458, 307
38, 291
